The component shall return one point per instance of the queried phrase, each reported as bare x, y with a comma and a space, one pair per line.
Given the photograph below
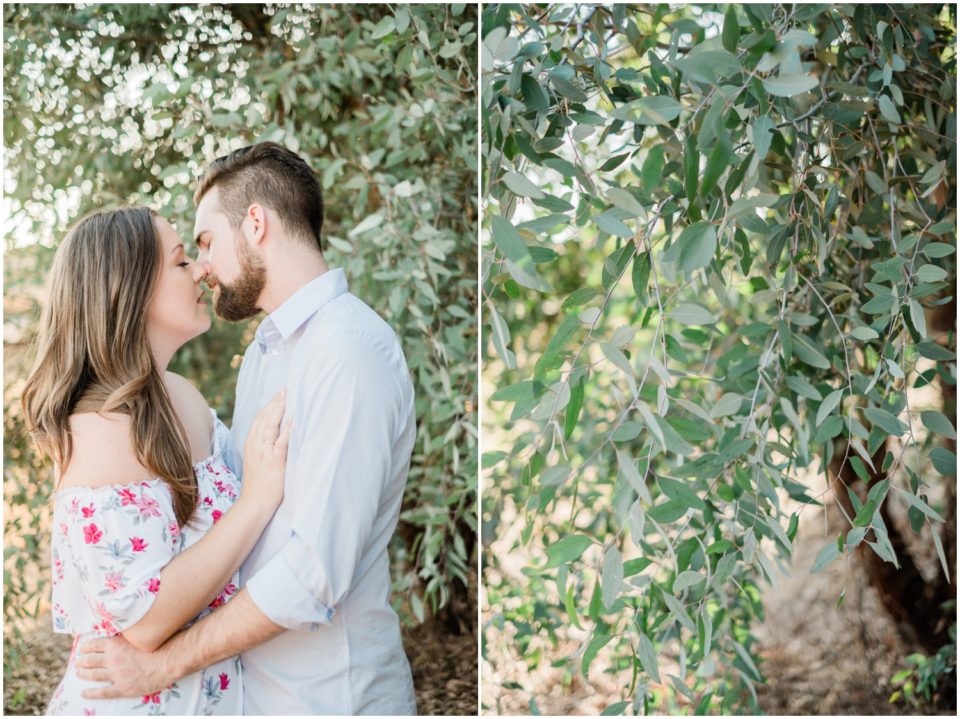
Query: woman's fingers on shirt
283, 441
268, 418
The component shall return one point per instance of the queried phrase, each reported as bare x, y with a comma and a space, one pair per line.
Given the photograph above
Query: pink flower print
148, 507
219, 485
63, 528
57, 569
74, 506
127, 497
106, 628
103, 612
216, 515
88, 511
230, 589
89, 712
113, 581
154, 585
174, 529
224, 682
151, 698
208, 501
91, 535
138, 544
217, 603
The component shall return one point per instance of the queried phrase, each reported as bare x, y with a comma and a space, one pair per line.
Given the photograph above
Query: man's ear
257, 223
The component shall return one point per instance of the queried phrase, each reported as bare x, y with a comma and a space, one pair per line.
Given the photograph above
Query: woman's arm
197, 575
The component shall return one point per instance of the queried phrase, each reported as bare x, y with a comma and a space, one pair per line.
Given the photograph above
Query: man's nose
201, 270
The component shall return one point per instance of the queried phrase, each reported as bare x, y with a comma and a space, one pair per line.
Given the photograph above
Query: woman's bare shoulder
103, 453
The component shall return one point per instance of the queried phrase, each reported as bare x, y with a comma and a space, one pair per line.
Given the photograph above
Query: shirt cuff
280, 595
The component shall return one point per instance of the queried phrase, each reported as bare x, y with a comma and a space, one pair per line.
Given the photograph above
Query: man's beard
238, 301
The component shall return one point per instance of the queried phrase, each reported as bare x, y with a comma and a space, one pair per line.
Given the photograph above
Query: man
313, 621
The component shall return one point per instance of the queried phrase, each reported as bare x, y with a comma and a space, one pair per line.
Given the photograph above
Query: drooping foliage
718, 274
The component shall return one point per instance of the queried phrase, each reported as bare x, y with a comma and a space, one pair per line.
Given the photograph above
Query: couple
203, 570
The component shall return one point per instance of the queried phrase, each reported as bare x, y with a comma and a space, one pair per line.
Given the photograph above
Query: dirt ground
443, 662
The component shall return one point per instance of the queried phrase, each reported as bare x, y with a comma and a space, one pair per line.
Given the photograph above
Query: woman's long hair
93, 354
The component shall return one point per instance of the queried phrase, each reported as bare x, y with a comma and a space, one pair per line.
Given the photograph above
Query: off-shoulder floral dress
109, 545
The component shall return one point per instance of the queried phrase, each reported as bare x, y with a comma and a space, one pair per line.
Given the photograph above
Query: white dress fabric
109, 545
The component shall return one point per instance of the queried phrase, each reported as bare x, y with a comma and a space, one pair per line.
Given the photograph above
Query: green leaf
520, 391
939, 545
681, 492
918, 318
568, 549
612, 576
864, 333
825, 558
865, 514
648, 657
697, 245
832, 427
568, 89
555, 476
731, 29
628, 468
590, 653
615, 709
716, 164
520, 185
789, 85
931, 273
519, 262
727, 405
625, 201
677, 610
688, 313
572, 415
534, 95
687, 579
944, 461
933, 351
828, 405
917, 503
669, 511
888, 109
650, 110
762, 127
885, 421
612, 226
939, 423
807, 352
652, 171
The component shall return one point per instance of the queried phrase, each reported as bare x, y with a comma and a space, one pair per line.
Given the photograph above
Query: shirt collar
280, 324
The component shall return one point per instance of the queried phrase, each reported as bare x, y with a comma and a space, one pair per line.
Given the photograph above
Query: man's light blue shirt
321, 569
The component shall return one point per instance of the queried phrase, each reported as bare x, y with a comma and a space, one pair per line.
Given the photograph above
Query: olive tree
718, 262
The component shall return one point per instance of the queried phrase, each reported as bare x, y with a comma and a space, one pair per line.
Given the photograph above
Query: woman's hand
265, 455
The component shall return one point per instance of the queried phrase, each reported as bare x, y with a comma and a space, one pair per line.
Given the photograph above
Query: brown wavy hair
92, 350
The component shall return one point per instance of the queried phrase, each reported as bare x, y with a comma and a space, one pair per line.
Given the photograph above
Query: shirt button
274, 352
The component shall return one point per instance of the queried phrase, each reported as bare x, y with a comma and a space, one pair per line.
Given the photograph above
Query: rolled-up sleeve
346, 416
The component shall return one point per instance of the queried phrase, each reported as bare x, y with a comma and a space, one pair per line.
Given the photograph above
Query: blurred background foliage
108, 104
718, 277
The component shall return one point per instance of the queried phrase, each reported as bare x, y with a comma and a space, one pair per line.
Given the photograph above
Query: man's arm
233, 629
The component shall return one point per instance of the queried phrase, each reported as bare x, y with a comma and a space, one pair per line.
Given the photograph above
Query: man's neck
287, 275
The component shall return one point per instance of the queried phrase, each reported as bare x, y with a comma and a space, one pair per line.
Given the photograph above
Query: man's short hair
274, 176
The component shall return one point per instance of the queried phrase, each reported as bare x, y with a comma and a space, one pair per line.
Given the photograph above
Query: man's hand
131, 672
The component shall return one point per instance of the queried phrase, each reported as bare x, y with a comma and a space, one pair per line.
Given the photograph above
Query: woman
150, 525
